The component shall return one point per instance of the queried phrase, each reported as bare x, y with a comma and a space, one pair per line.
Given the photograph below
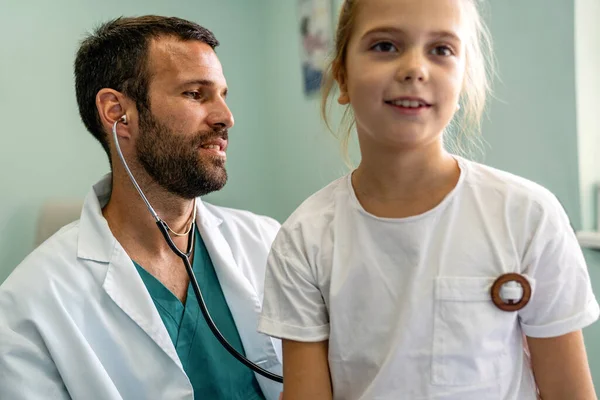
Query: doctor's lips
217, 145
408, 102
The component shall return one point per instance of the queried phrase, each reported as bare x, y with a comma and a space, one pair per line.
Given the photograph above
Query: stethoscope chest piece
511, 292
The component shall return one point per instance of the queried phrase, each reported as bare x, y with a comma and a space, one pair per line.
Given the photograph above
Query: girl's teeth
408, 103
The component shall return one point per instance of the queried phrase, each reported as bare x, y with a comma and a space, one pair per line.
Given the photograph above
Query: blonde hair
463, 129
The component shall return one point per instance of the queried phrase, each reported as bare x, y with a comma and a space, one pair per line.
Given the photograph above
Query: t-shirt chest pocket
471, 336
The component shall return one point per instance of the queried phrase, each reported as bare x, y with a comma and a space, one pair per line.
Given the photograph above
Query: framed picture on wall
316, 34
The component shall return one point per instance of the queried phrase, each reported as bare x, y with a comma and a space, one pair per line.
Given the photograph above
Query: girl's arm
306, 371
560, 367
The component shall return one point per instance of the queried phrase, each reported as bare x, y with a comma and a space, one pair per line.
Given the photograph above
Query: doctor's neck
128, 215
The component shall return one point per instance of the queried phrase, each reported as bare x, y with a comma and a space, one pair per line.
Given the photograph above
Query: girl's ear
339, 74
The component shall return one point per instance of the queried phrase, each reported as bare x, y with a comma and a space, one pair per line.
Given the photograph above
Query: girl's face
404, 71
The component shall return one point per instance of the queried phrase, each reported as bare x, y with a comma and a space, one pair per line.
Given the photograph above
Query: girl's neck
400, 184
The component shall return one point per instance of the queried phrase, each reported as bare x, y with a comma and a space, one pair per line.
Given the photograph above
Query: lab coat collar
96, 241
206, 218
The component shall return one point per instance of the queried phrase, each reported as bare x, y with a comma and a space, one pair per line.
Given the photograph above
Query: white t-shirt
405, 303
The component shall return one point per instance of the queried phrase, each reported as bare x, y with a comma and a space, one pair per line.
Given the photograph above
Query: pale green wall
532, 127
44, 149
592, 334
306, 155
587, 57
587, 61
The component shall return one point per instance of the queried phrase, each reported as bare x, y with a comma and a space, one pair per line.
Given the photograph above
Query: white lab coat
76, 320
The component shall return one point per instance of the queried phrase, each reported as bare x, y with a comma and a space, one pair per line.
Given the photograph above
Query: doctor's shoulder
48, 266
245, 224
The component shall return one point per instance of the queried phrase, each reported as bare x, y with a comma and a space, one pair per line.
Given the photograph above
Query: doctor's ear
112, 107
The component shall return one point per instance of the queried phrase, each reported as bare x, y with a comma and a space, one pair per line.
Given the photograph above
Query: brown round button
511, 304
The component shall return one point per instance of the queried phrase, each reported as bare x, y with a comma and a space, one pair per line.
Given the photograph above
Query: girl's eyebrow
437, 34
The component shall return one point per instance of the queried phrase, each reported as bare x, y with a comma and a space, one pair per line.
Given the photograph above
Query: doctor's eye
193, 94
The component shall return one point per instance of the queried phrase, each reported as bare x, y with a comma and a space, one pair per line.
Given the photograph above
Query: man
104, 308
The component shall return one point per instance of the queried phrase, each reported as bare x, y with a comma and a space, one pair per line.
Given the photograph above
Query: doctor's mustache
203, 137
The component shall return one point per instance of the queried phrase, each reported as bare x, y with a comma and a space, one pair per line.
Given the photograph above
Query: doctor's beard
174, 160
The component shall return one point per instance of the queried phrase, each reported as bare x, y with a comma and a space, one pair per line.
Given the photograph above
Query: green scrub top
213, 372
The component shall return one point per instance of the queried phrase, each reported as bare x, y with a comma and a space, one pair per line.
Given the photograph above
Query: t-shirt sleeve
293, 305
562, 300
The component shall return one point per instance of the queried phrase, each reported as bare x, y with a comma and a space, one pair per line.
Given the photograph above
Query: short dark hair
115, 56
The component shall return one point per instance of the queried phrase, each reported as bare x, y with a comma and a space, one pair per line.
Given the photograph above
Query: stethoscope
164, 228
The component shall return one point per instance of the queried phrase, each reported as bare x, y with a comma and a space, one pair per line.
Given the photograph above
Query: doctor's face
183, 134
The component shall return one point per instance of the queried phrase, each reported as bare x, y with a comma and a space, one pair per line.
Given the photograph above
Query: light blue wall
45, 151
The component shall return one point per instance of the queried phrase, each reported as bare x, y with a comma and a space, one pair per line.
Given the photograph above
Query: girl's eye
444, 51
384, 47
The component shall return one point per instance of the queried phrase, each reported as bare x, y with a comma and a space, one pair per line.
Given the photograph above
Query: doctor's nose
220, 116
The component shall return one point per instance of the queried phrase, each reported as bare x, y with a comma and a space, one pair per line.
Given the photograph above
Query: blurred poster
316, 32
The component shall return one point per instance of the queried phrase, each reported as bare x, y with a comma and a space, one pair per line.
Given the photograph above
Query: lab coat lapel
239, 293
122, 282
241, 296
125, 287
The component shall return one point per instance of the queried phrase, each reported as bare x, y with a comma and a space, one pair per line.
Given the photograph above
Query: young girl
422, 275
